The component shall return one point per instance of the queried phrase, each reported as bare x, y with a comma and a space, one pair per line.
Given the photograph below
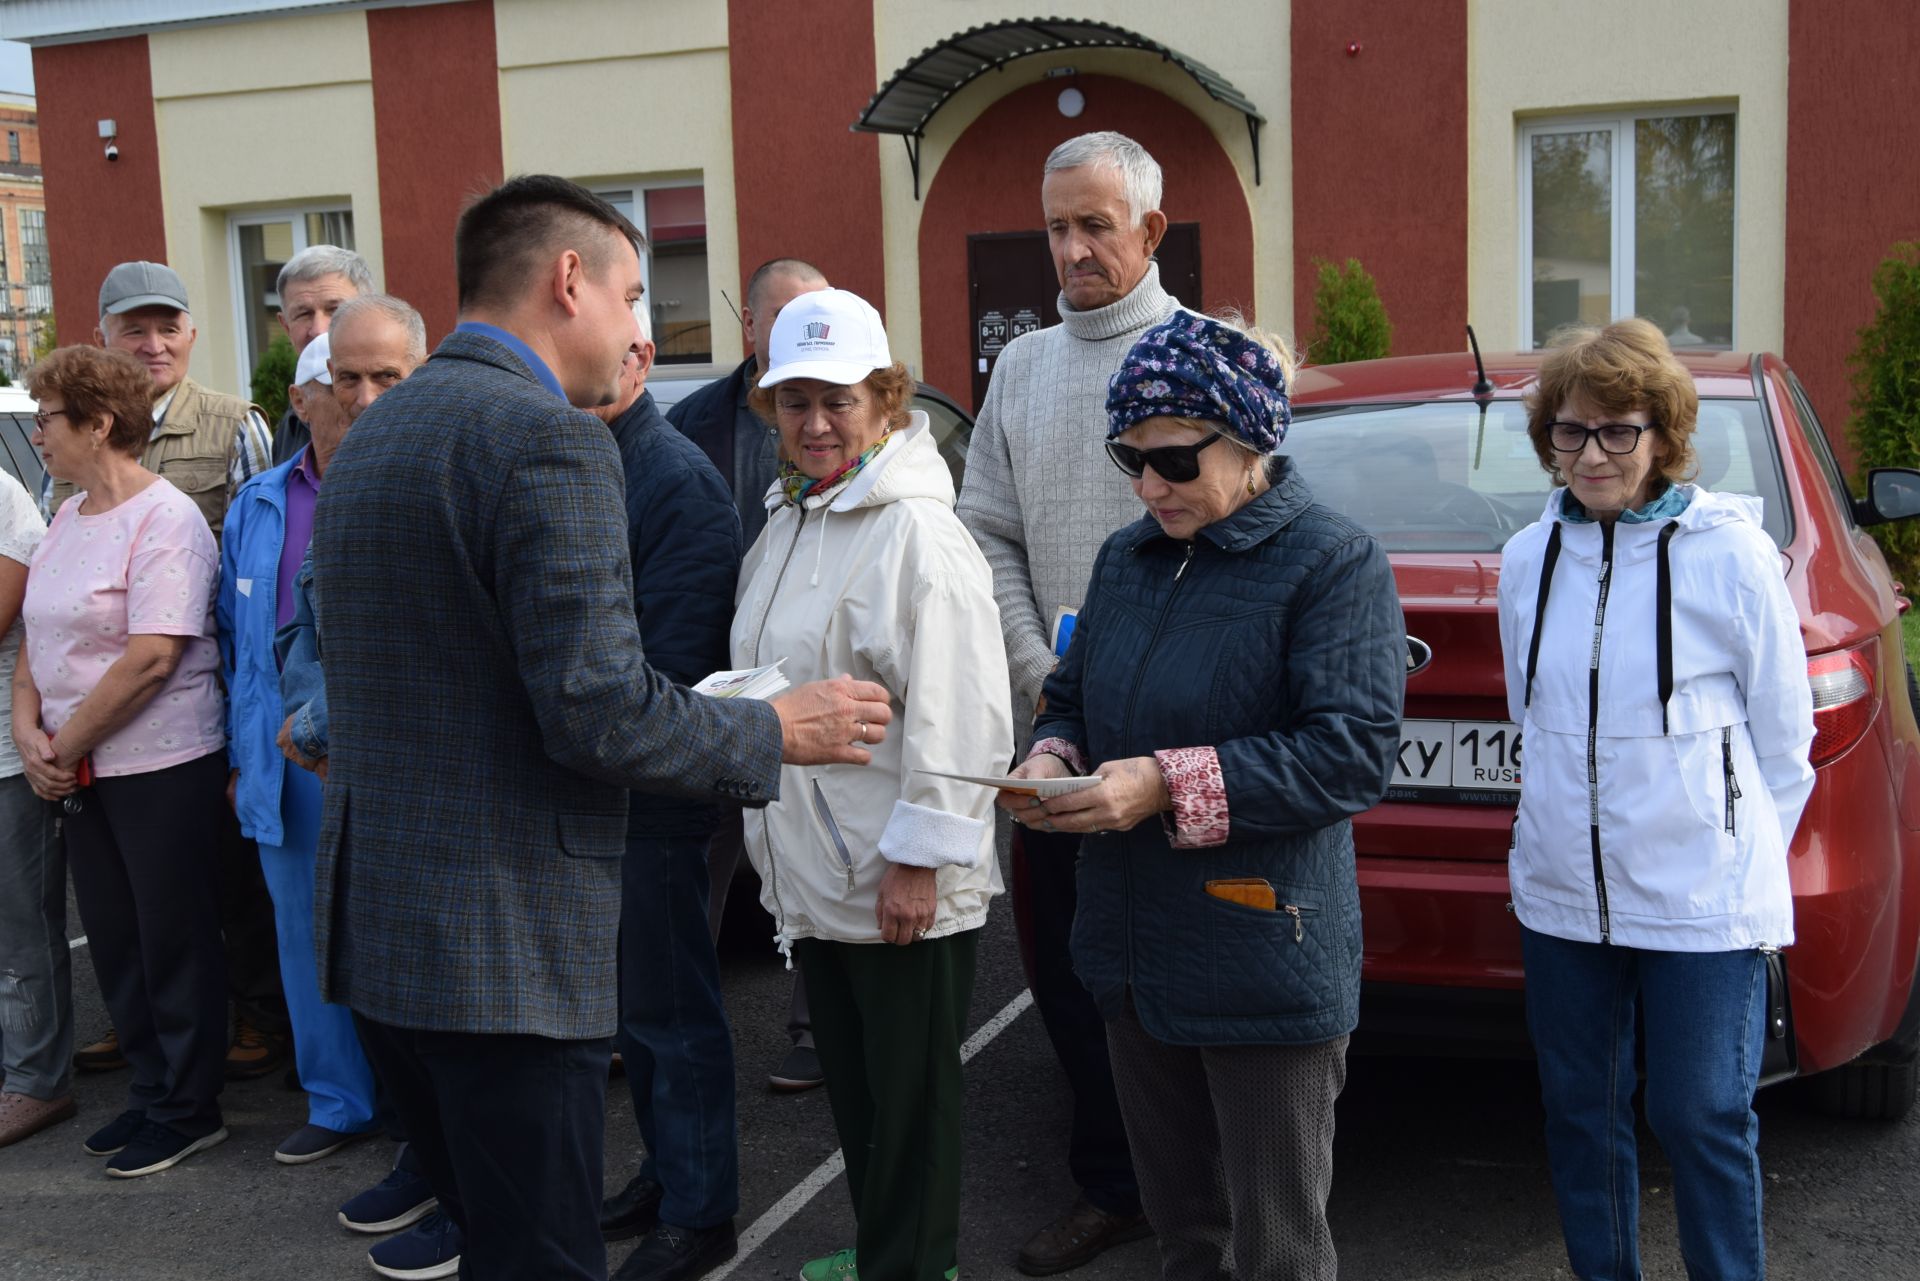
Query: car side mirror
1893, 493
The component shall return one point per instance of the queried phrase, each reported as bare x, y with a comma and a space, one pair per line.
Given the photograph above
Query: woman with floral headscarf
1235, 681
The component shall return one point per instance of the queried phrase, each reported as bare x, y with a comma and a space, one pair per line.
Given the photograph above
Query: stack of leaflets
756, 682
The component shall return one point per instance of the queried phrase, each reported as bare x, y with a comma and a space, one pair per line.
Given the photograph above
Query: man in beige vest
206, 443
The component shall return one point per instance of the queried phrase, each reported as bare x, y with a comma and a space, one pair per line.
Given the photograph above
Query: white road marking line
786, 1207
74, 945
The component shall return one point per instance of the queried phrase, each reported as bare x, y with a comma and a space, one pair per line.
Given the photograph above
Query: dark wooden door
1013, 289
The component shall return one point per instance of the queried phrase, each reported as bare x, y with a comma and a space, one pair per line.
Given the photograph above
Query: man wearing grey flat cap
206, 443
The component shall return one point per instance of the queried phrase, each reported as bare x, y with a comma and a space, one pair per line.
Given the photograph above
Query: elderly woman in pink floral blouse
117, 713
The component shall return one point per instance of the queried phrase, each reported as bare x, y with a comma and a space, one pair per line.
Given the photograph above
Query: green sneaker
839, 1266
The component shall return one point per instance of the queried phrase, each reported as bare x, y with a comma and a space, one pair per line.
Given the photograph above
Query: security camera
113, 151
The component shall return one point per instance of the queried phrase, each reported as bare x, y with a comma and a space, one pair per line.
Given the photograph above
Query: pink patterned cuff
1199, 797
1065, 748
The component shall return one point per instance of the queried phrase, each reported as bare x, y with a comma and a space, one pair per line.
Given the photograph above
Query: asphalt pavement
1440, 1172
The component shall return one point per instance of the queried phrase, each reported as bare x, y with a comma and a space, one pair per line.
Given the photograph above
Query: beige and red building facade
1509, 163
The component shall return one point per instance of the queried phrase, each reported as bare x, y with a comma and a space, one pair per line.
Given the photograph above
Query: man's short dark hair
799, 268
510, 233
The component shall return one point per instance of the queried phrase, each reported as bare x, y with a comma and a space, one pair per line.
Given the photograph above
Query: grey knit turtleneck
1040, 494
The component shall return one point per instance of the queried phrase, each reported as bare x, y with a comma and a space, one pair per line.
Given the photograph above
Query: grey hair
393, 309
1139, 172
316, 262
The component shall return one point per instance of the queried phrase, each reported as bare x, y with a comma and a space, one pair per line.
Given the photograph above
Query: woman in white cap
878, 877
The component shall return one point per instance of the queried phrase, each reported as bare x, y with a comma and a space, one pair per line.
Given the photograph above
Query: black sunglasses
1174, 464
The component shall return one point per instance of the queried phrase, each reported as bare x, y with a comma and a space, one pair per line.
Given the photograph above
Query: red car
1443, 477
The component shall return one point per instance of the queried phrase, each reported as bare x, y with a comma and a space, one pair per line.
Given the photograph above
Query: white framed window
1629, 214
673, 215
258, 245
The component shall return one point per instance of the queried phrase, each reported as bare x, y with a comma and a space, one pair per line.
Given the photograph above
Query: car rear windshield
1444, 477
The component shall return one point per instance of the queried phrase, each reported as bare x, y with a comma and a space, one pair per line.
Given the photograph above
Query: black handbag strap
1540, 609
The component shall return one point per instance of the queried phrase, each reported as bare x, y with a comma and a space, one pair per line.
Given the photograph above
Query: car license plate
1459, 758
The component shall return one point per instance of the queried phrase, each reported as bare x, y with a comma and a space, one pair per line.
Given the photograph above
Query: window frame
236, 269
1621, 125
632, 192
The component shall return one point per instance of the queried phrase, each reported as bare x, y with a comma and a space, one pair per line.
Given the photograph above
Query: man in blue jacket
278, 804
685, 542
740, 445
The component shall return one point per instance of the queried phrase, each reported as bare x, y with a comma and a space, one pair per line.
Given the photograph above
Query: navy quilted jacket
1275, 637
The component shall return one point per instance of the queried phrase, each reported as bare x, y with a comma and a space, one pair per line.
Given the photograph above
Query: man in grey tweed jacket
1040, 498
490, 706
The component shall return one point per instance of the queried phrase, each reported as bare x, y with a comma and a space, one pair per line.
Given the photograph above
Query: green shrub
45, 338
1886, 393
1349, 320
271, 376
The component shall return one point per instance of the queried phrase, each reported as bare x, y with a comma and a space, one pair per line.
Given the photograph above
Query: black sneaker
679, 1254
312, 1142
400, 1200
800, 1070
631, 1211
159, 1147
115, 1134
431, 1250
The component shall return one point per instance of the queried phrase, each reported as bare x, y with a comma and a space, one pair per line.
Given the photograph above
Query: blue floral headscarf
1191, 366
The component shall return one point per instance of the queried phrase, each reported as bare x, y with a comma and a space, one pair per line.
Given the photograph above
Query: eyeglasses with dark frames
1614, 438
45, 416
1175, 464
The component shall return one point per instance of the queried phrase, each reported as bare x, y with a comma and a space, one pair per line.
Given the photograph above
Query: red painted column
1380, 159
99, 211
1853, 181
805, 186
436, 125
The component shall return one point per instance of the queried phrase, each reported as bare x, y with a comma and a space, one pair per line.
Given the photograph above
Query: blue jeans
1705, 1023
326, 1048
673, 1031
36, 984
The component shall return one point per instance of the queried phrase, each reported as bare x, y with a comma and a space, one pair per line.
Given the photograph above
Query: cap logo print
817, 330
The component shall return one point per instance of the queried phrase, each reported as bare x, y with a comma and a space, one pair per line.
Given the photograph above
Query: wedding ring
863, 732
1046, 824
919, 934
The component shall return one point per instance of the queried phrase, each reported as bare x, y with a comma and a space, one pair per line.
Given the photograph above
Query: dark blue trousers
510, 1131
1097, 1151
673, 1031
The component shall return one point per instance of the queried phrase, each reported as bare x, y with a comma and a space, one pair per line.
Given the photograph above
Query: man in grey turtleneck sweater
1040, 498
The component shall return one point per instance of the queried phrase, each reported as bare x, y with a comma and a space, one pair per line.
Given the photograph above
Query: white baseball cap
313, 363
830, 334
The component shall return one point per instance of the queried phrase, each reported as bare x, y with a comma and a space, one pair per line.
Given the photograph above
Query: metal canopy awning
907, 101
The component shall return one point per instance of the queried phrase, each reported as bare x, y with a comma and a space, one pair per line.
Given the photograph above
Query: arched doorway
989, 184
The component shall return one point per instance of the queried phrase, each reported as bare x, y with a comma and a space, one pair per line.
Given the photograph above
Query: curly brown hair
99, 382
1626, 366
892, 387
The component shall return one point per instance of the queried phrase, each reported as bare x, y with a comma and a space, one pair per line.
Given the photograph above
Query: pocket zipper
833, 830
1733, 785
1299, 925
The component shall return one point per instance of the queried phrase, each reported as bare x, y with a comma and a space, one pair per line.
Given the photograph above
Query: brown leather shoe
22, 1115
253, 1053
102, 1056
1079, 1236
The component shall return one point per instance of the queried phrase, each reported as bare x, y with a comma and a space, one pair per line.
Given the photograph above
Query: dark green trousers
888, 1022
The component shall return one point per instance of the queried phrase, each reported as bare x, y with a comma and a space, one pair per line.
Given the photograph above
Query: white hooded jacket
1642, 823
878, 579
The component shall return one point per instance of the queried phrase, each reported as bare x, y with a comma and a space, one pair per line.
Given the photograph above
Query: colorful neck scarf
798, 487
1191, 366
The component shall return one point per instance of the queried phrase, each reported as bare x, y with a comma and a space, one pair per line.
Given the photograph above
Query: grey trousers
36, 965
1233, 1146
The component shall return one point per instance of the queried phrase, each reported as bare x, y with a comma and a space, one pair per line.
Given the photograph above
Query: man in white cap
208, 445
278, 803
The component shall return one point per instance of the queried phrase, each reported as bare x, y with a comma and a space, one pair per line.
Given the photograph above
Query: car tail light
1843, 697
